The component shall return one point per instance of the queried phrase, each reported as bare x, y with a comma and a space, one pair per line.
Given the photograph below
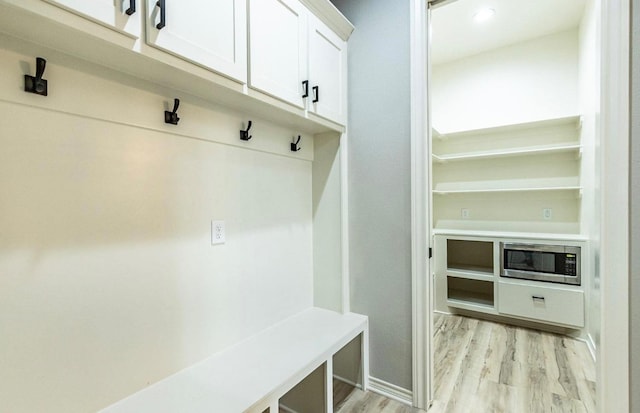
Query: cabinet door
327, 71
278, 47
108, 12
210, 33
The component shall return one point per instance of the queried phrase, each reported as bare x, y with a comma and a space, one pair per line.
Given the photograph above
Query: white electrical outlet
465, 213
547, 213
218, 235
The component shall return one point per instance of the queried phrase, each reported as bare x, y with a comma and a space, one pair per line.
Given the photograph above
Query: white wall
526, 82
327, 223
108, 280
379, 134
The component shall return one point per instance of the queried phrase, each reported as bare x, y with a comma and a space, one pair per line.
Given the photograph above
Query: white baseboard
390, 391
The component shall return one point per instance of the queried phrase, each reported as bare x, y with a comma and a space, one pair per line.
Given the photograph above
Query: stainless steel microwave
541, 262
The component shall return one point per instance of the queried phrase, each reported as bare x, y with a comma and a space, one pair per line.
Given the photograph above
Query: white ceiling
455, 34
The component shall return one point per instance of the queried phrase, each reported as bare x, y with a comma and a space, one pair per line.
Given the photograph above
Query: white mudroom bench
254, 374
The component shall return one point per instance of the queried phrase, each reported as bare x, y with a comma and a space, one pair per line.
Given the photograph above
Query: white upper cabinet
121, 15
286, 57
210, 33
297, 58
278, 44
327, 72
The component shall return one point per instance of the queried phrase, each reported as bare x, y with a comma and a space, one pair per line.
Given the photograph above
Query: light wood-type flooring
362, 402
487, 367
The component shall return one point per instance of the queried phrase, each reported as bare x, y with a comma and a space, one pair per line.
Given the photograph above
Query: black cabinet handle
163, 16
132, 7
537, 298
316, 94
305, 88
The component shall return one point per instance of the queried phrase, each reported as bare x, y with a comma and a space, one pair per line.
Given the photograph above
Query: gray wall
634, 352
379, 184
379, 180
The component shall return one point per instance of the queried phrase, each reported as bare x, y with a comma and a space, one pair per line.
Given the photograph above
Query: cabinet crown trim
331, 16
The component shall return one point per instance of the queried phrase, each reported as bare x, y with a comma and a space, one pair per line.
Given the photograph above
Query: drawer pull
537, 298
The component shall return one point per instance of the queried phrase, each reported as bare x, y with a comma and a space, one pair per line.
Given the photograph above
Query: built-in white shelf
471, 272
473, 303
561, 231
511, 128
509, 185
465, 280
284, 354
503, 179
469, 275
500, 153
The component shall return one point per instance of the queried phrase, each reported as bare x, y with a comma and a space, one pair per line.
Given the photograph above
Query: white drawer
545, 303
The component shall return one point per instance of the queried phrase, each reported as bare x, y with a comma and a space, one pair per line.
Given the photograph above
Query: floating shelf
509, 185
526, 151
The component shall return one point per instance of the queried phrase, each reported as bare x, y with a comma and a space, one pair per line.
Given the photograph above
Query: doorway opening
514, 93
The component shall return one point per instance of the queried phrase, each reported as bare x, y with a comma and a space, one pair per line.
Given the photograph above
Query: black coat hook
172, 117
37, 84
294, 145
244, 134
